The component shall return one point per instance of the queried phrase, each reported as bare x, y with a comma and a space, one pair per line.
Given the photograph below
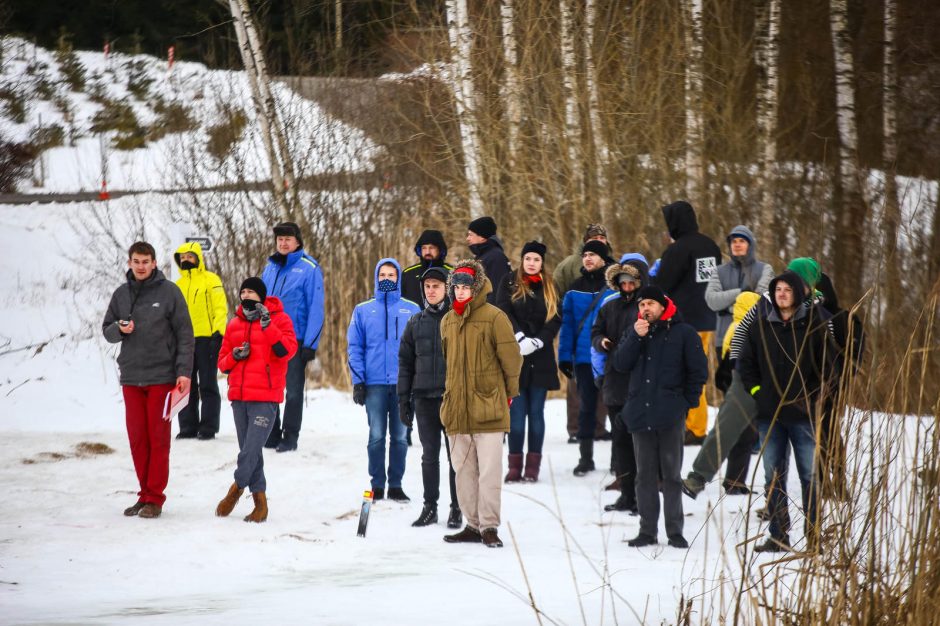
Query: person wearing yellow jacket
208, 309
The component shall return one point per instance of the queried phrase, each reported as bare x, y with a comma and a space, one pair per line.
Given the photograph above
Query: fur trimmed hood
481, 284
633, 267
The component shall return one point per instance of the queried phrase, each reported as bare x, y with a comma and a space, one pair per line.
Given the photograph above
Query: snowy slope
319, 143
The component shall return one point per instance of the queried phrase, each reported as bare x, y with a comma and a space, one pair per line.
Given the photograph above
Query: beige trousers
478, 462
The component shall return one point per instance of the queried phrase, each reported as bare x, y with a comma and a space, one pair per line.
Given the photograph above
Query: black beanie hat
436, 272
535, 246
652, 292
255, 284
289, 229
597, 247
483, 226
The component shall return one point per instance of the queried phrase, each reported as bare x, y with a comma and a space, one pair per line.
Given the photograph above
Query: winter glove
359, 394
241, 352
520, 336
599, 382
567, 368
265, 316
405, 411
308, 354
215, 344
528, 345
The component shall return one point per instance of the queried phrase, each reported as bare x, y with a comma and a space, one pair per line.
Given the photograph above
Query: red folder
175, 402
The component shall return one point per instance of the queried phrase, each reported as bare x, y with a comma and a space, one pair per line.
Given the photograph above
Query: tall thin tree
694, 113
569, 69
892, 206
601, 149
766, 57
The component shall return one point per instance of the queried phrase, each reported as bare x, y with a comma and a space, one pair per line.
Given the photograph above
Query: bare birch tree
766, 57
511, 85
569, 69
601, 149
458, 28
892, 208
694, 115
850, 208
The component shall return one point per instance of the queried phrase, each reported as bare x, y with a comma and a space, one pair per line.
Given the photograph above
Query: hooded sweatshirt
205, 296
737, 275
375, 331
411, 276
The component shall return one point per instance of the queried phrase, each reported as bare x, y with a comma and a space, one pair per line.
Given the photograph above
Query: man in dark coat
421, 375
432, 252
488, 250
667, 369
618, 313
148, 316
686, 267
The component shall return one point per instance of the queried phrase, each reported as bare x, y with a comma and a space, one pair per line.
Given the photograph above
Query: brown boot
614, 486
150, 510
260, 513
533, 460
514, 474
467, 535
227, 504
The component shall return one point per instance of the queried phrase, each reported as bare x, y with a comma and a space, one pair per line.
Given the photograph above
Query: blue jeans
802, 436
382, 411
529, 402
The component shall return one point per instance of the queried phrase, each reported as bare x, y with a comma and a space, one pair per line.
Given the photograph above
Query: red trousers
149, 436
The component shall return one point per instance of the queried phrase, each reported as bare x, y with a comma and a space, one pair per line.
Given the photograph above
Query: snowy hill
150, 127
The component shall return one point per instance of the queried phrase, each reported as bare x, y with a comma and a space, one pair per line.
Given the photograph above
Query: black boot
428, 516
455, 519
586, 464
623, 503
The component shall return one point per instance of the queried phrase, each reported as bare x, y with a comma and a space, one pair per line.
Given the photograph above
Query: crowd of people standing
466, 353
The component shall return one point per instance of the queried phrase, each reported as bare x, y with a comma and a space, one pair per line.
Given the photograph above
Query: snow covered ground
68, 555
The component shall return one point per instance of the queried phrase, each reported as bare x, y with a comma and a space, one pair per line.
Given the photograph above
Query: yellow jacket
742, 304
205, 296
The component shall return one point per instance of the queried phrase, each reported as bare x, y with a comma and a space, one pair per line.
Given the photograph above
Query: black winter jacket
687, 265
788, 364
491, 256
161, 347
667, 370
421, 369
411, 276
528, 317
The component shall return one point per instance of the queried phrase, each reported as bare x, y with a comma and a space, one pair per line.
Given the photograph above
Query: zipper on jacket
209, 315
241, 387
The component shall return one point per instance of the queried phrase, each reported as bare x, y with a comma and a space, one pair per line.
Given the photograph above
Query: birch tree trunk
694, 122
601, 150
766, 57
890, 150
511, 85
850, 210
569, 68
458, 28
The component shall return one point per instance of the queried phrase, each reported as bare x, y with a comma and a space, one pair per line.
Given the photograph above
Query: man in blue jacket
582, 302
296, 279
667, 368
374, 335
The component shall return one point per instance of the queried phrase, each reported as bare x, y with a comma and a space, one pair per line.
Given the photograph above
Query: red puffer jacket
262, 376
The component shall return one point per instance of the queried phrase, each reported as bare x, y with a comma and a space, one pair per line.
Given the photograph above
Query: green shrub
69, 64
120, 118
171, 118
15, 104
16, 162
226, 133
138, 83
45, 137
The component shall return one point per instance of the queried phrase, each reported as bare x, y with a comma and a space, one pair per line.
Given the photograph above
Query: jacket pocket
487, 408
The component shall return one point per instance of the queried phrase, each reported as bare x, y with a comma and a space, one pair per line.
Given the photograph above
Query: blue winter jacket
577, 306
298, 283
375, 331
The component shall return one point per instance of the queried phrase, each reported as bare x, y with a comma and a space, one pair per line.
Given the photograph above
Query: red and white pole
169, 57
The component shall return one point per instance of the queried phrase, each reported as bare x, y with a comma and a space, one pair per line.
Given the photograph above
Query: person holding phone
148, 316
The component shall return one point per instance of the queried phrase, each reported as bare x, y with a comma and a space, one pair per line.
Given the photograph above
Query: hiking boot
734, 488
533, 460
378, 494
467, 535
514, 475
260, 512
491, 539
455, 519
572, 439
182, 435
614, 486
396, 494
774, 545
678, 541
586, 463
150, 510
428, 516
286, 445
691, 439
604, 435
692, 485
131, 511
641, 541
763, 514
623, 503
273, 439
227, 504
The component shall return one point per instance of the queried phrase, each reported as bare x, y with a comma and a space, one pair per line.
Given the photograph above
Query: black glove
405, 411
265, 316
215, 343
359, 393
308, 354
241, 352
567, 368
599, 382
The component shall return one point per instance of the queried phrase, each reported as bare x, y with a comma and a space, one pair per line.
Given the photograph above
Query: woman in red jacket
258, 343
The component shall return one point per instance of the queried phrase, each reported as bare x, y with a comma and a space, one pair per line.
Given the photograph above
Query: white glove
528, 345
520, 336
